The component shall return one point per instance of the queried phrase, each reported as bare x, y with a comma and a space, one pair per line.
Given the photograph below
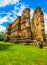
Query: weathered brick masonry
37, 25
15, 30
25, 25
7, 33
24, 30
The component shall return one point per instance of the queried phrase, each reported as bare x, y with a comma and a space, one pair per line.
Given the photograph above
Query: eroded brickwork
7, 33
24, 30
37, 24
25, 24
15, 30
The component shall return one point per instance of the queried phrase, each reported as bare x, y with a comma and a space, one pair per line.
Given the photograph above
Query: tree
1, 36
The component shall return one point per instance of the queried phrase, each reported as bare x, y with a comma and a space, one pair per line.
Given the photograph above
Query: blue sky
11, 9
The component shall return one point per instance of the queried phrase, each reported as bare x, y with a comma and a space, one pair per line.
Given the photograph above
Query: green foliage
1, 36
46, 35
17, 54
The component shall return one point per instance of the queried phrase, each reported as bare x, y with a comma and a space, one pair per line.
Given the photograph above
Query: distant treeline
1, 36
46, 35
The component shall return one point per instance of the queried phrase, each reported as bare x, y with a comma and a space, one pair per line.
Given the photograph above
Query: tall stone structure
15, 30
24, 31
37, 25
25, 24
7, 33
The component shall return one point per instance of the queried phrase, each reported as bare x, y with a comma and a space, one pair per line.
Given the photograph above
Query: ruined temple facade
25, 25
25, 30
15, 30
37, 25
7, 33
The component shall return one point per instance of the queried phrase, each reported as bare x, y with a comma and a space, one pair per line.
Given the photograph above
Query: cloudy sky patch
11, 9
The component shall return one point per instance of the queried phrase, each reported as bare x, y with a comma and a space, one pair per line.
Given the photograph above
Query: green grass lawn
17, 54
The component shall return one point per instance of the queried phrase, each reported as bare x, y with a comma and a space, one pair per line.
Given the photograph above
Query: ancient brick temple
24, 30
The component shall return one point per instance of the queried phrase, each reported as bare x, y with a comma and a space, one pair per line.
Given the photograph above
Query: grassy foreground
17, 54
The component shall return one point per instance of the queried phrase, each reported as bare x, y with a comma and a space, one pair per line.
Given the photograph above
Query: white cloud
45, 22
2, 28
7, 2
2, 20
8, 18
21, 9
45, 15
31, 13
45, 29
